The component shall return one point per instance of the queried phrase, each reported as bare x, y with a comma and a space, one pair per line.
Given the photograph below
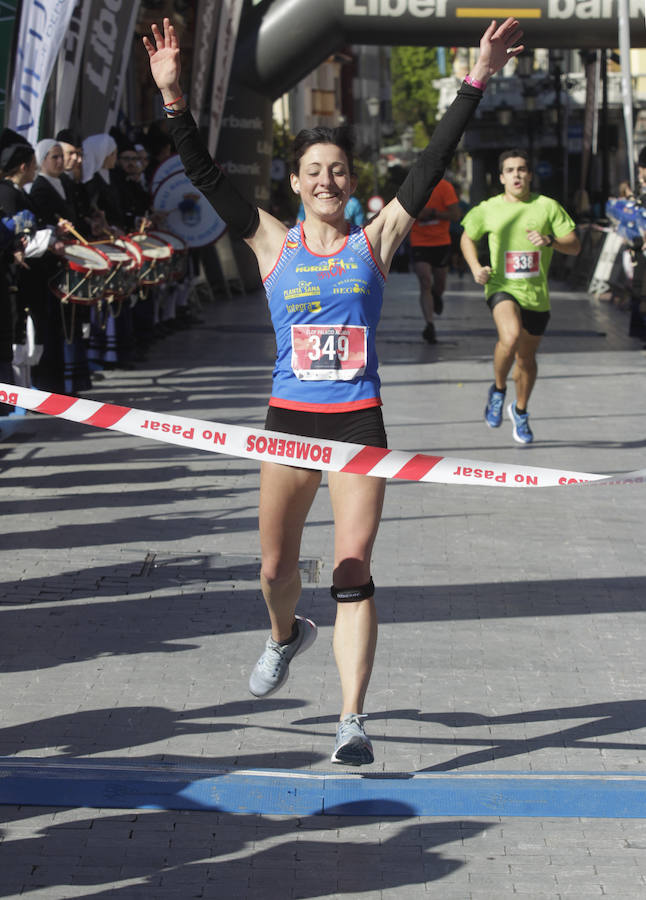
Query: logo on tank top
329, 268
352, 287
314, 306
304, 289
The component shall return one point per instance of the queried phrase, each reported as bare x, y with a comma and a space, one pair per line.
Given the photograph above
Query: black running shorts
361, 426
534, 322
437, 257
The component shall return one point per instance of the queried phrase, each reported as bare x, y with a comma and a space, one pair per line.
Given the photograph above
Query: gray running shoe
272, 669
352, 747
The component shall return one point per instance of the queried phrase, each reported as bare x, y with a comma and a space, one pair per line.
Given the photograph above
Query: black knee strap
352, 594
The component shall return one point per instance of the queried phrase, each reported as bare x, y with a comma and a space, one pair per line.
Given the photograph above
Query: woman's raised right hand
165, 65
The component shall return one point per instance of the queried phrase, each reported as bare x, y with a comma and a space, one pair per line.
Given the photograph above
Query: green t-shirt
518, 267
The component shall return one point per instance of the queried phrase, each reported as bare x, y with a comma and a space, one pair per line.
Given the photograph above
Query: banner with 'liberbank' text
107, 49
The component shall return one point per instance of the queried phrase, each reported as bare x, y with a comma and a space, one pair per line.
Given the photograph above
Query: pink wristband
480, 85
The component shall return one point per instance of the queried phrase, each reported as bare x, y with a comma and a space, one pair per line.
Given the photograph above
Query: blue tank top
325, 311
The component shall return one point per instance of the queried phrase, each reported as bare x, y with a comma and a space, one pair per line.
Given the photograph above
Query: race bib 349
329, 352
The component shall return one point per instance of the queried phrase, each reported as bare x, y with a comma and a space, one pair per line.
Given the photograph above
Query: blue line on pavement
122, 784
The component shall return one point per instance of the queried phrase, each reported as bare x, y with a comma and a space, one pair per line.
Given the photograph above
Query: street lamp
530, 105
524, 70
556, 58
525, 64
374, 108
504, 115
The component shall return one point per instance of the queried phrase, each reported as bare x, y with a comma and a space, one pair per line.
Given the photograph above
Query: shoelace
497, 401
273, 657
348, 724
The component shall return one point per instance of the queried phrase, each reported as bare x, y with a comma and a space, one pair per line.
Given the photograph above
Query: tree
413, 71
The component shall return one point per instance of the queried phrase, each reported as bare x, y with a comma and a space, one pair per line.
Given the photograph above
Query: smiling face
516, 178
324, 181
52, 165
72, 157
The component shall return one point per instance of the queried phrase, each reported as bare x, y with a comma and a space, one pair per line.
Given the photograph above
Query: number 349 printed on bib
329, 352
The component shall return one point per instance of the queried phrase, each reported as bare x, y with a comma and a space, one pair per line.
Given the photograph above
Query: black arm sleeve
239, 214
429, 167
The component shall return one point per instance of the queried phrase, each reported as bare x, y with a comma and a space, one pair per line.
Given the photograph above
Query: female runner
325, 383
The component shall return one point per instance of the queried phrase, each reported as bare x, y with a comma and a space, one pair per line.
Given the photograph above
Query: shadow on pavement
221, 855
194, 598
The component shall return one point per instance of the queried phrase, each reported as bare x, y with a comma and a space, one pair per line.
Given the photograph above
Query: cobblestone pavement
512, 632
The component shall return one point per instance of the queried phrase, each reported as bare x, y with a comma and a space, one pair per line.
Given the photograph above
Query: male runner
524, 229
430, 241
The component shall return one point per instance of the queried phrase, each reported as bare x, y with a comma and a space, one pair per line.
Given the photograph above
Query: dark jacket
133, 197
48, 204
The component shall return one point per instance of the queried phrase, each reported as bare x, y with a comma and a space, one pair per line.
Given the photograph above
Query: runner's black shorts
436, 257
360, 426
534, 322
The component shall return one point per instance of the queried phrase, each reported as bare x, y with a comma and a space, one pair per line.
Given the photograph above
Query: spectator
53, 198
72, 179
49, 192
30, 280
99, 158
125, 178
637, 325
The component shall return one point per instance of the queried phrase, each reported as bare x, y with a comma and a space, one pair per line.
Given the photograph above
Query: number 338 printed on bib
522, 263
329, 352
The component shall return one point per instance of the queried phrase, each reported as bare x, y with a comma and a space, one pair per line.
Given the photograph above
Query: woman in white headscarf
48, 194
65, 354
99, 157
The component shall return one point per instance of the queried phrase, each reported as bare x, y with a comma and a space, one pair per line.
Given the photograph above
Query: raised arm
263, 233
387, 230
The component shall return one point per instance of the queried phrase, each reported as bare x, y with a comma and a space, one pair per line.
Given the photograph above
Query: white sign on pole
43, 24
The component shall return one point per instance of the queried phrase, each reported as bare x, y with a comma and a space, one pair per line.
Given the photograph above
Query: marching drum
125, 259
627, 216
156, 263
187, 212
179, 257
83, 276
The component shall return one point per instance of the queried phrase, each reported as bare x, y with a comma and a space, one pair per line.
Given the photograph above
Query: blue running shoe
522, 431
352, 747
493, 409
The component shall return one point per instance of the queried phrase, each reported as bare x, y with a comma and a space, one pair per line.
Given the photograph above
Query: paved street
512, 638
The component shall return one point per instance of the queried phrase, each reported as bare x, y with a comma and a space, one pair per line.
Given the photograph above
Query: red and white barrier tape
309, 453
